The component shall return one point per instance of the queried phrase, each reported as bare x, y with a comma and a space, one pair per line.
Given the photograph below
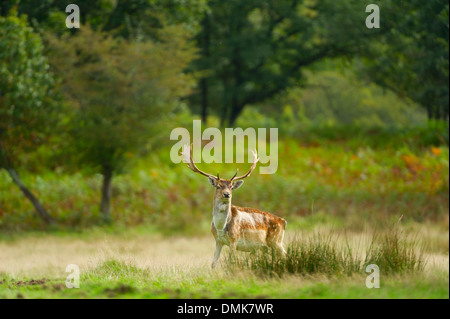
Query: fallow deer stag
240, 228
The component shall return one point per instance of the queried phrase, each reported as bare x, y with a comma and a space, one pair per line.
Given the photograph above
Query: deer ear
237, 184
213, 181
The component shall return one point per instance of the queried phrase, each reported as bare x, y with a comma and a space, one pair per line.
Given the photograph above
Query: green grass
392, 253
116, 280
323, 255
331, 181
317, 255
317, 266
327, 182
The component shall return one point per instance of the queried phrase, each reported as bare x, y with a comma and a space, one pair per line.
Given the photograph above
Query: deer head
224, 187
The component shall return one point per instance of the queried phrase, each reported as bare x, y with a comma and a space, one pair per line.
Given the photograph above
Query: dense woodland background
85, 114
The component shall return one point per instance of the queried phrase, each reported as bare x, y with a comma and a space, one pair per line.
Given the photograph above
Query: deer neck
221, 213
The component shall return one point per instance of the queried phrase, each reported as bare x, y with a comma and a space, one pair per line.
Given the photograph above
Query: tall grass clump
393, 253
324, 255
115, 270
316, 255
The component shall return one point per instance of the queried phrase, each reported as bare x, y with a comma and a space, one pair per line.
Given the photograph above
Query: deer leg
216, 255
233, 245
282, 250
278, 249
233, 249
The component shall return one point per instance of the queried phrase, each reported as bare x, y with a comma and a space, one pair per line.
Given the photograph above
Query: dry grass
137, 265
48, 255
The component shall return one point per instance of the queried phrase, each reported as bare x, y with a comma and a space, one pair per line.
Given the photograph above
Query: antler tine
234, 174
187, 158
255, 160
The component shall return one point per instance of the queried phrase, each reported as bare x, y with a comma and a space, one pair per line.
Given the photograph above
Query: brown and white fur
240, 228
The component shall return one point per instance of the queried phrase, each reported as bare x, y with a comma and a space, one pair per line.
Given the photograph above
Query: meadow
131, 265
349, 201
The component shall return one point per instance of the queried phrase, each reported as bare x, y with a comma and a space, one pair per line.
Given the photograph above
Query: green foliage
361, 149
343, 182
412, 58
253, 50
129, 19
121, 93
140, 18
27, 95
334, 99
51, 15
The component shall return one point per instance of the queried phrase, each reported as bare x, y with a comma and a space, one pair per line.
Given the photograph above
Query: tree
253, 50
142, 18
412, 59
122, 92
123, 18
50, 14
27, 98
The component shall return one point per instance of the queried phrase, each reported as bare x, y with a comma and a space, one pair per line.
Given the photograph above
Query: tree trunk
106, 194
445, 113
429, 112
204, 89
236, 110
223, 118
204, 81
432, 112
236, 107
225, 109
37, 205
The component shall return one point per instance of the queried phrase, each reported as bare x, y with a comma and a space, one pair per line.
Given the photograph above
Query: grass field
145, 265
159, 244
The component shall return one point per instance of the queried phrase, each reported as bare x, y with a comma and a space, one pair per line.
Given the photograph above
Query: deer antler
255, 160
187, 158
